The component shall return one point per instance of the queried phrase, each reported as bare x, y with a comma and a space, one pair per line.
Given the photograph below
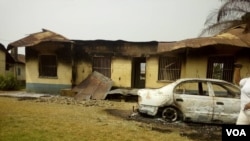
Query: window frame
225, 64
169, 68
102, 64
49, 65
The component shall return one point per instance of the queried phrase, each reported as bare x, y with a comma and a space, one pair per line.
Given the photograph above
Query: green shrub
8, 82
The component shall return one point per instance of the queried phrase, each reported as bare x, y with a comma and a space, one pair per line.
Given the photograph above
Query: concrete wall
34, 83
152, 73
194, 67
83, 69
121, 71
20, 76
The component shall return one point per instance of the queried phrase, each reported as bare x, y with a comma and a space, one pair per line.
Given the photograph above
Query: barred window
169, 68
220, 67
102, 65
47, 66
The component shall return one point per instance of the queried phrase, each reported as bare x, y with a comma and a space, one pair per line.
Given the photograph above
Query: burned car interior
201, 88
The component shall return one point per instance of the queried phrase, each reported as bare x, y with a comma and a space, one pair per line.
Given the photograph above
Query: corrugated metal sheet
37, 38
96, 86
234, 37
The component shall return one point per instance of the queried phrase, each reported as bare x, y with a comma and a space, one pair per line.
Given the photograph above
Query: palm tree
232, 13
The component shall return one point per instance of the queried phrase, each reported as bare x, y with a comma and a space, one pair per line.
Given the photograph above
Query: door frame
138, 77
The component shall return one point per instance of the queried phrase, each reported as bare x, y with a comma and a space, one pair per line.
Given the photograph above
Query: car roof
204, 79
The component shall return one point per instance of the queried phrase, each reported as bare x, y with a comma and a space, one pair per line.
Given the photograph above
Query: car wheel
170, 114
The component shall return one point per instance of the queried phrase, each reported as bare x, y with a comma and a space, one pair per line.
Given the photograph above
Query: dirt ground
194, 131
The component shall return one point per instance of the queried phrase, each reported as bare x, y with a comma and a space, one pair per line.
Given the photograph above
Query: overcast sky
130, 20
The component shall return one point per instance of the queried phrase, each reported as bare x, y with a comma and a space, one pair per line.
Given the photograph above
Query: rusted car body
193, 99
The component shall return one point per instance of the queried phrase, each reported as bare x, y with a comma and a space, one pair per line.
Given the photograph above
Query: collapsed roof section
95, 86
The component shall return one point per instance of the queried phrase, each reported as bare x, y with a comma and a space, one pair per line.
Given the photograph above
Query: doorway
138, 72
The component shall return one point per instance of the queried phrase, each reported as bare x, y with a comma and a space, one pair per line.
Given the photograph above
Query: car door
226, 103
194, 100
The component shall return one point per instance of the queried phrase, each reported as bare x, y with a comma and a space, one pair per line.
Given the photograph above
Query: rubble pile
71, 101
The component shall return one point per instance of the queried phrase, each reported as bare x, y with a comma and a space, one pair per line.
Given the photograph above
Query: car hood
156, 97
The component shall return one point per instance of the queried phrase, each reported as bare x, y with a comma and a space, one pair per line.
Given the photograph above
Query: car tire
170, 114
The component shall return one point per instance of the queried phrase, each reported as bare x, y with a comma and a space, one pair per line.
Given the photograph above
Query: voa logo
236, 132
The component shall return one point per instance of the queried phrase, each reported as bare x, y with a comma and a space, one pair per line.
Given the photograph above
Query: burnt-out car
192, 99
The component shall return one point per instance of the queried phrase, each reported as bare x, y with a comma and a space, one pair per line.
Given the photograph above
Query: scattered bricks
68, 92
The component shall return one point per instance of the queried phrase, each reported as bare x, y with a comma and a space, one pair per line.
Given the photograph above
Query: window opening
169, 68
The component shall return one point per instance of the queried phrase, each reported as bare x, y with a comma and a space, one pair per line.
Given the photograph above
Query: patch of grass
30, 120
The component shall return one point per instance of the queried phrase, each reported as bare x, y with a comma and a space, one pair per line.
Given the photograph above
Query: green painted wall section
46, 88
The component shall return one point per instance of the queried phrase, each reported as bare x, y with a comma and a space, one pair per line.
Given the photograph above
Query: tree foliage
232, 13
